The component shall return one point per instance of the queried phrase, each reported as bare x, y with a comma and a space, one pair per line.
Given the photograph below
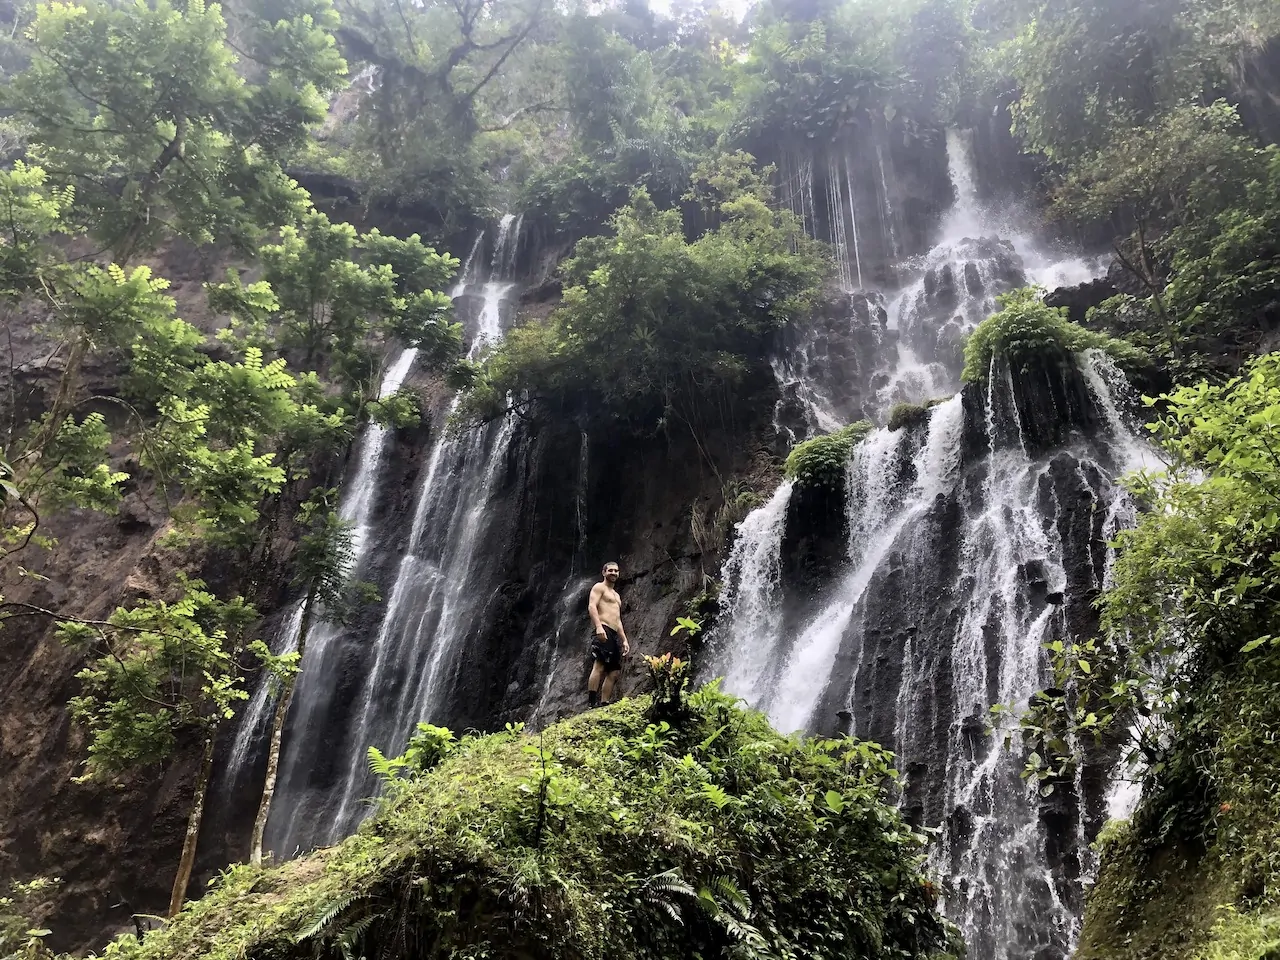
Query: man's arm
593, 608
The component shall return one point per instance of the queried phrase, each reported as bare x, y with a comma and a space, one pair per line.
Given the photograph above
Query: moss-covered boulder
607, 836
1027, 332
821, 462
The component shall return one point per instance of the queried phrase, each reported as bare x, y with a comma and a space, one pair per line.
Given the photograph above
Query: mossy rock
1026, 332
606, 837
911, 415
821, 462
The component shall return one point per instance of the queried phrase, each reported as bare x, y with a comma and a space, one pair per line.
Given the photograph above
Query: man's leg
593, 684
610, 682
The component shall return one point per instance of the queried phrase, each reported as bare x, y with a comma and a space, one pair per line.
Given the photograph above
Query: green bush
821, 462
606, 836
907, 415
652, 324
1026, 330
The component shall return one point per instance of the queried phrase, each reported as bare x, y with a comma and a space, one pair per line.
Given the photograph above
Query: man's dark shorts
609, 650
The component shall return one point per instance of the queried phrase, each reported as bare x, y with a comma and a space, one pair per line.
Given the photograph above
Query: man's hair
611, 563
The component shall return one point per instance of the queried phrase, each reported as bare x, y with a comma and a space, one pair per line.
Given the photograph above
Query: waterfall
886, 205
853, 220
434, 600
839, 236
355, 507
966, 218
969, 548
750, 612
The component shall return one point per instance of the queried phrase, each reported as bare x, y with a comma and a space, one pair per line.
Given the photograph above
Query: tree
1089, 68
1181, 168
142, 108
160, 671
323, 567
436, 64
331, 290
651, 324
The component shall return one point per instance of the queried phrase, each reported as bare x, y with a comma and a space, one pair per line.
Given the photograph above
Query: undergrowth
821, 462
1026, 330
610, 835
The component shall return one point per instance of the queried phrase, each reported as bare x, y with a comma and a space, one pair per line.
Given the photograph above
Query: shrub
652, 324
907, 415
821, 462
607, 835
1026, 330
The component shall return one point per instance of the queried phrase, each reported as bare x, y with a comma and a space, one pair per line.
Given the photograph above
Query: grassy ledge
610, 835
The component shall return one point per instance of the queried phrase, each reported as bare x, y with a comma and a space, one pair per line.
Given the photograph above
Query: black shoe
593, 699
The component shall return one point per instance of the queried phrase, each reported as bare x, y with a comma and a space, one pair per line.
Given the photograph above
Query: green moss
1195, 876
911, 415
1025, 330
607, 836
821, 462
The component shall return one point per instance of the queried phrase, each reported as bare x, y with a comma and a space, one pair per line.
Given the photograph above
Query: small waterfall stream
356, 507
432, 603
971, 543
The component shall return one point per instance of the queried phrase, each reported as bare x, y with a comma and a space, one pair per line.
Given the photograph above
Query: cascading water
973, 539
431, 605
356, 506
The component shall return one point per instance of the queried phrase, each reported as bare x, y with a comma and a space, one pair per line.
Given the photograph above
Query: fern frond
325, 916
353, 933
668, 882
728, 891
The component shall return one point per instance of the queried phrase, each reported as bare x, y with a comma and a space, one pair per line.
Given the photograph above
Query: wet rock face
934, 637
835, 352
559, 516
957, 291
1079, 300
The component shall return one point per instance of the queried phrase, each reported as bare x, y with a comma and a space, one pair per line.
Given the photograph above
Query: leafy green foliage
157, 669
141, 107
1087, 68
822, 75
823, 461
335, 293
453, 77
1177, 167
650, 321
402, 409
428, 748
1223, 275
607, 835
31, 215
21, 937
1025, 331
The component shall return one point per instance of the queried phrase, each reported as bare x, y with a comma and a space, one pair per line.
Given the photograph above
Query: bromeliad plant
671, 677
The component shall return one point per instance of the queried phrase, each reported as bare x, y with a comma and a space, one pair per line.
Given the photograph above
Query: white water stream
407, 670
955, 579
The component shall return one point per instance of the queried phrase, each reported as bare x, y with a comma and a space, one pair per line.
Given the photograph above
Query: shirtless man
605, 607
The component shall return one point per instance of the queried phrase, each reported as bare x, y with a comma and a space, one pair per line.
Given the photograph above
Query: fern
386, 769
669, 881
726, 890
325, 916
660, 889
353, 933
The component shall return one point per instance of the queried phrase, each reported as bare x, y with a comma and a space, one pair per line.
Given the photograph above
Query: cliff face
114, 846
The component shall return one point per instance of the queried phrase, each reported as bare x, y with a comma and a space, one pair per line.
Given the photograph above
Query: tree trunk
277, 735
193, 829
